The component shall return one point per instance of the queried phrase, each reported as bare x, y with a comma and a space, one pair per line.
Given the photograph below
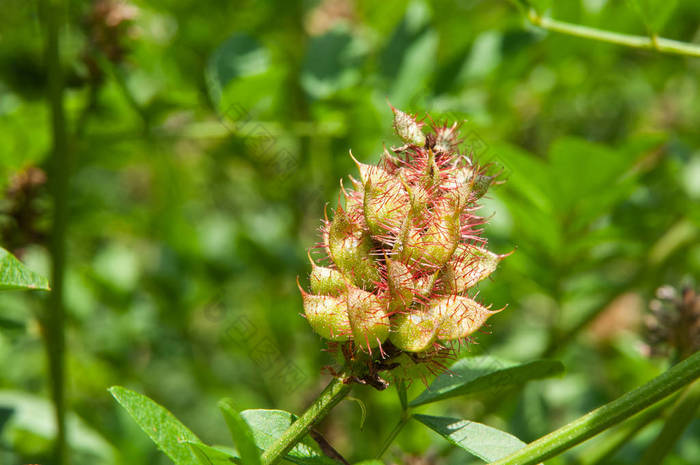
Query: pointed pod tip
501, 256
301, 289
313, 264
357, 162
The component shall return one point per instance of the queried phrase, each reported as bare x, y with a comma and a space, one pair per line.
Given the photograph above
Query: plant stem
658, 44
395, 432
329, 398
679, 418
405, 416
53, 322
606, 416
601, 452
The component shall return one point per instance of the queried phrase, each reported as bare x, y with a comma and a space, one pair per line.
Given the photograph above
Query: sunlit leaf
485, 442
14, 275
241, 433
478, 374
159, 424
268, 425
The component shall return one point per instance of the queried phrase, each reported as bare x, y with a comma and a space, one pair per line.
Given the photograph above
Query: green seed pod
327, 316
368, 318
407, 128
458, 317
419, 198
385, 206
425, 285
446, 139
400, 285
349, 246
326, 281
432, 248
413, 331
401, 259
370, 173
468, 266
467, 185
480, 185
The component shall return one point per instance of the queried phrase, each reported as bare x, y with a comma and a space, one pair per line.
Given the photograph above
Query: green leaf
237, 57
27, 425
528, 176
207, 455
477, 374
14, 275
485, 442
588, 178
241, 433
403, 394
159, 424
540, 6
654, 13
332, 62
405, 62
268, 425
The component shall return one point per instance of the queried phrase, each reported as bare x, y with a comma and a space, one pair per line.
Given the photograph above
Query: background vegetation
205, 139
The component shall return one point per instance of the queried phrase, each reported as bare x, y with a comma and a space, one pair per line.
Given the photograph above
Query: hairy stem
329, 398
53, 321
606, 416
655, 43
677, 421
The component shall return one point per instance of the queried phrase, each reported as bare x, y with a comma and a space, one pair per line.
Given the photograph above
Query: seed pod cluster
404, 250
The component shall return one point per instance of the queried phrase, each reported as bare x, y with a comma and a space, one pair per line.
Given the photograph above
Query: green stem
681, 415
395, 432
658, 44
329, 398
405, 416
601, 452
606, 416
54, 320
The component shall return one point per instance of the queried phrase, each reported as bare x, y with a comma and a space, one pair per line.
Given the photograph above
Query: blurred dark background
208, 136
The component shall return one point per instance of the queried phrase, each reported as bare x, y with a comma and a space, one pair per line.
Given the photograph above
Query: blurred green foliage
205, 150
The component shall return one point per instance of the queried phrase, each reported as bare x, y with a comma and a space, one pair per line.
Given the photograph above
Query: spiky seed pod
405, 251
328, 316
368, 317
326, 281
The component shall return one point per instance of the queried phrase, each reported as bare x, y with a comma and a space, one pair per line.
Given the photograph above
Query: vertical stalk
405, 416
329, 398
53, 320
